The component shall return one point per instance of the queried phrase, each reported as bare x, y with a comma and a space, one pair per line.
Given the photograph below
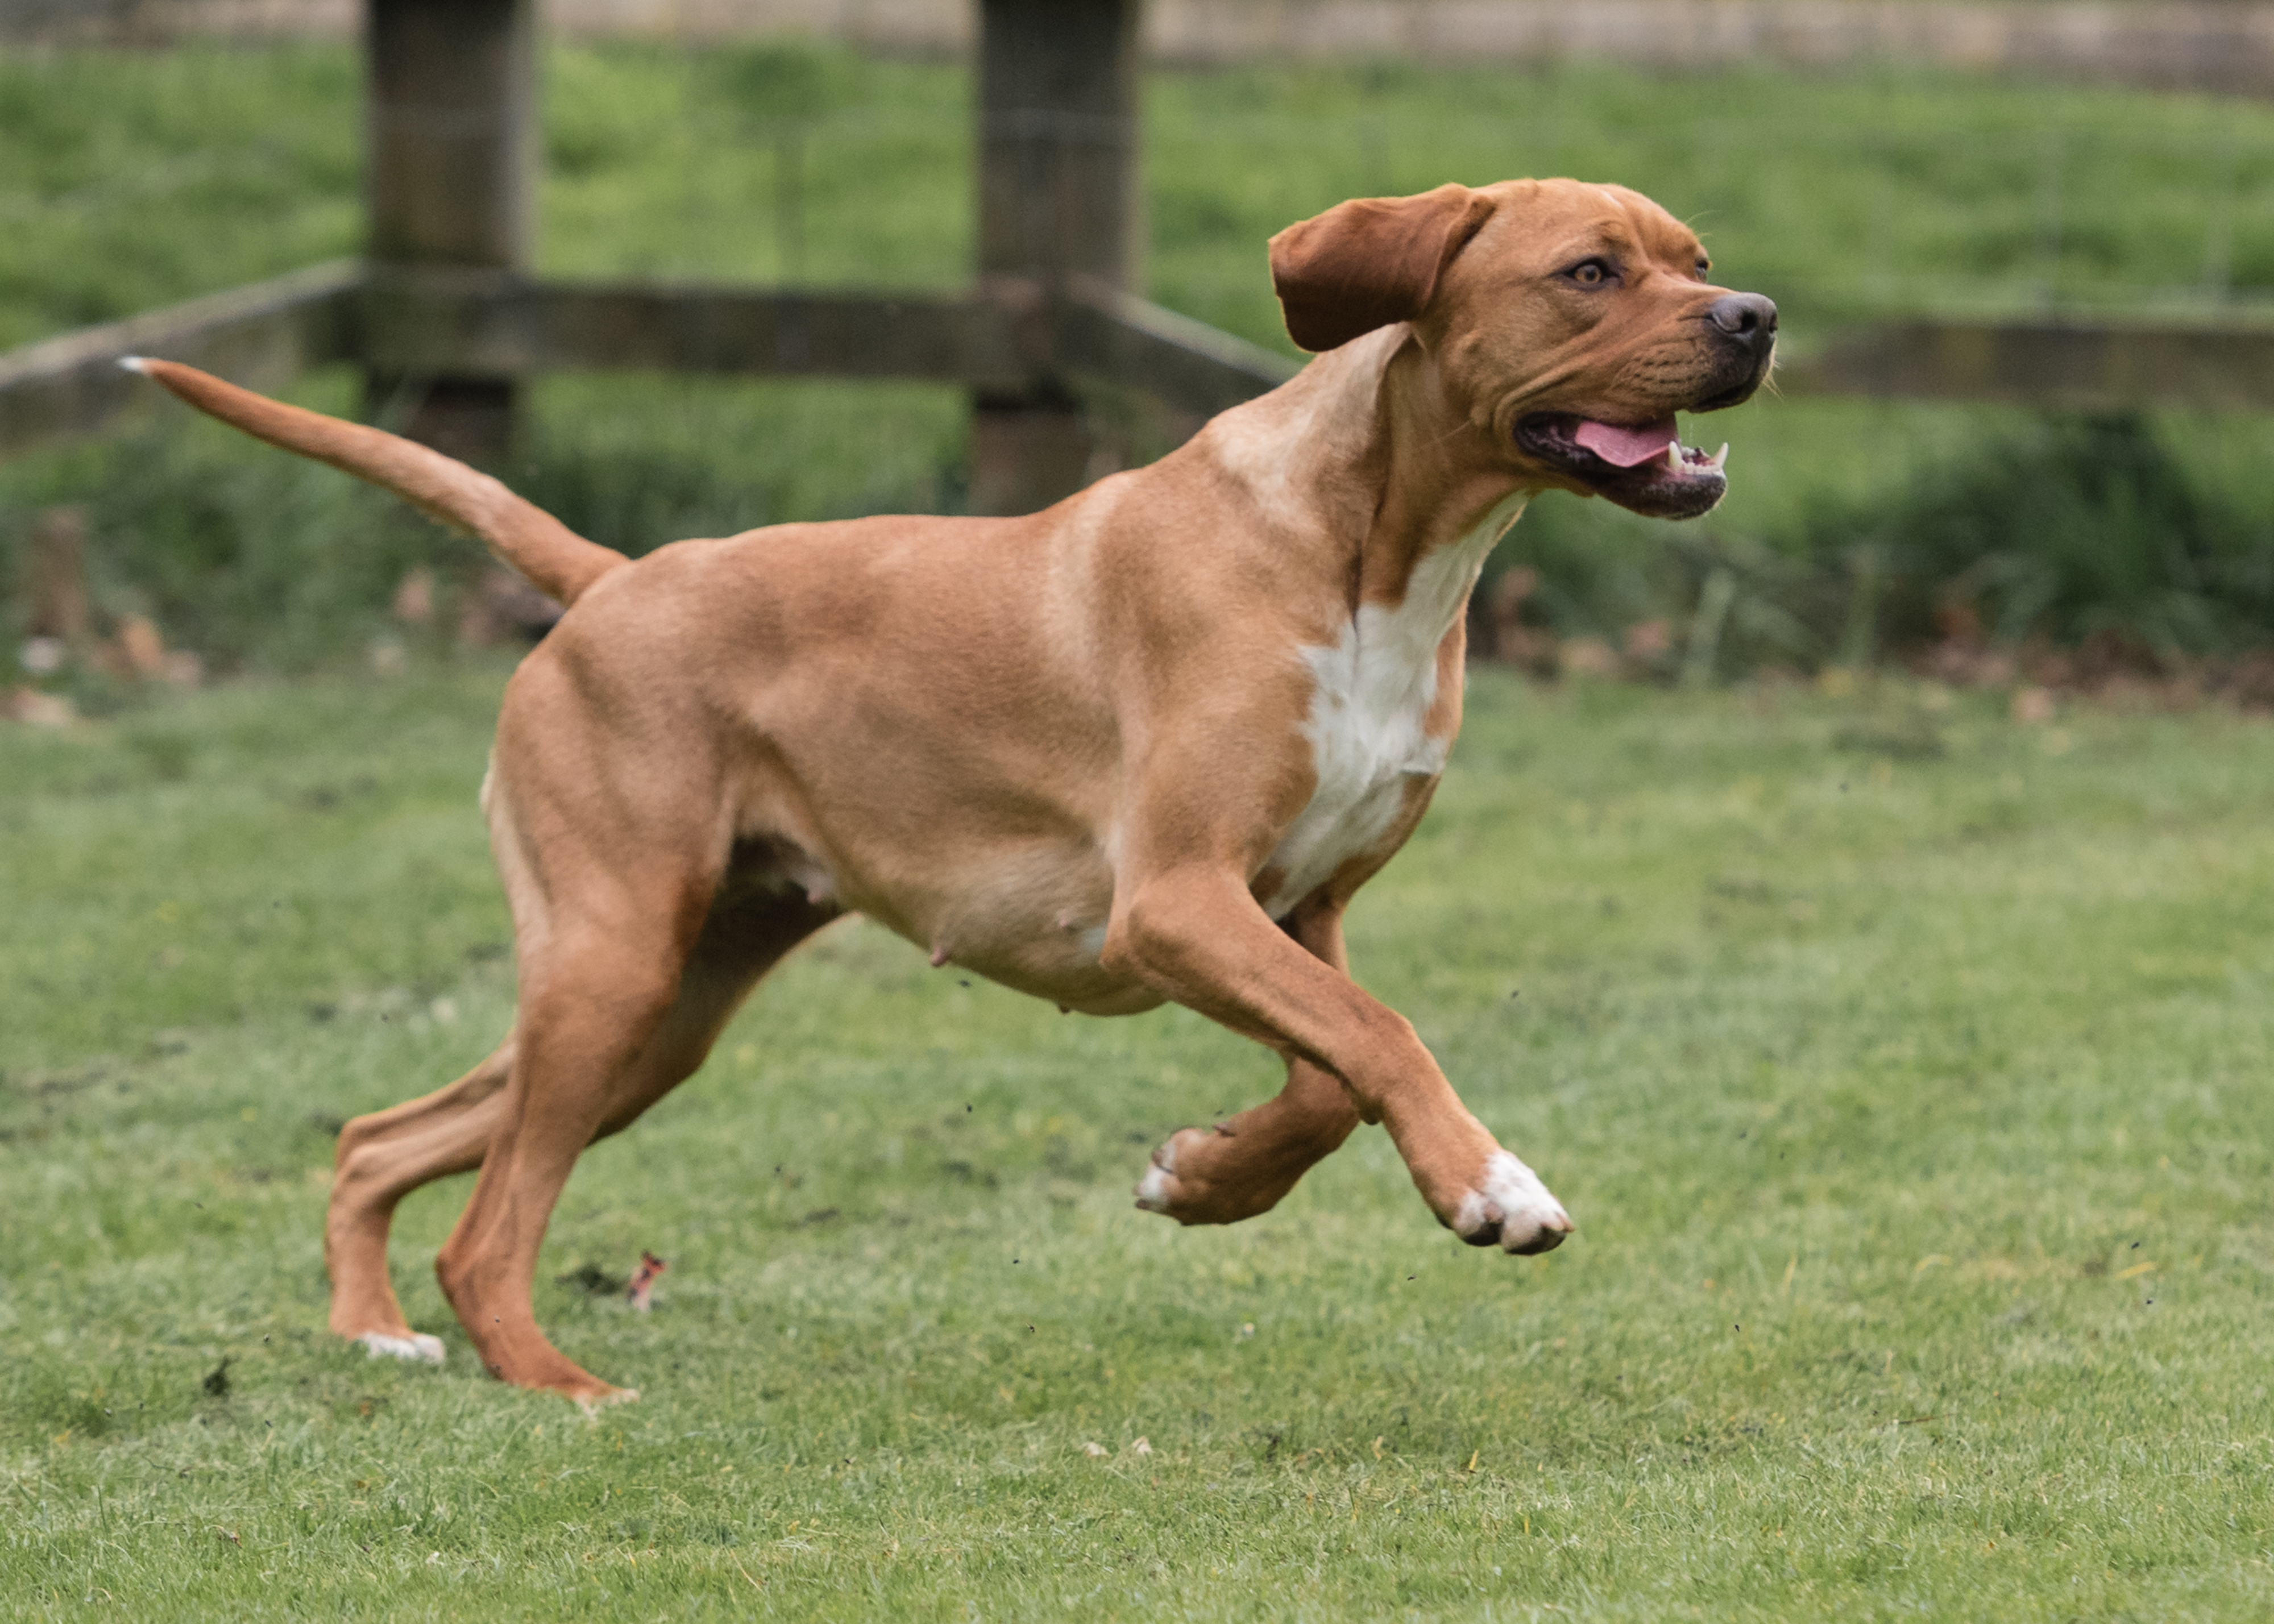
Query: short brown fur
1060, 750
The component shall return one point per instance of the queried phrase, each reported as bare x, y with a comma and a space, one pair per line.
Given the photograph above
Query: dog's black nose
1748, 317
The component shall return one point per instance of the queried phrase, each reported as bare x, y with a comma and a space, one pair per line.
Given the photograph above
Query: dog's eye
1590, 273
1703, 265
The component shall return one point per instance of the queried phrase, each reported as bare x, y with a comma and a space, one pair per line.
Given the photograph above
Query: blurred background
1860, 163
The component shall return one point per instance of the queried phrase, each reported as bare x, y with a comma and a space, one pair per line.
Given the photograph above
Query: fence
445, 310
445, 320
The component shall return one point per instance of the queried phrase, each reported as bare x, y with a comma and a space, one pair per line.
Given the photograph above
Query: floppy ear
1371, 261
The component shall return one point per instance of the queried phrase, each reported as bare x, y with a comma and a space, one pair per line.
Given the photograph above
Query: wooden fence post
451, 104
60, 608
1057, 198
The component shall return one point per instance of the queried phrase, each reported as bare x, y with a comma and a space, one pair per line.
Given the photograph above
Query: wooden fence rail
501, 327
2083, 365
516, 328
1015, 339
69, 388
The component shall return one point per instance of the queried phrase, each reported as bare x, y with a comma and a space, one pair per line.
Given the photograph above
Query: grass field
1905, 1068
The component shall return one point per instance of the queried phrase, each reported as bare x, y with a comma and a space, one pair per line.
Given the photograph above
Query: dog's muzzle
1745, 324
1645, 467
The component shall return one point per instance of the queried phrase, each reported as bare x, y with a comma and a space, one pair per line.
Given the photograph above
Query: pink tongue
1626, 448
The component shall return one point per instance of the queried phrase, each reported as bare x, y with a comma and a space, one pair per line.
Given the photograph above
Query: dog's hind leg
741, 941
602, 1035
382, 1158
1243, 1166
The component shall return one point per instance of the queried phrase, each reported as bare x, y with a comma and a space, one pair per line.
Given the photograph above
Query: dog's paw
1157, 1191
1211, 1176
593, 1397
1183, 1183
417, 1347
1512, 1210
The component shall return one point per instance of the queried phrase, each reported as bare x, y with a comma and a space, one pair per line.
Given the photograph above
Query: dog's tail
557, 561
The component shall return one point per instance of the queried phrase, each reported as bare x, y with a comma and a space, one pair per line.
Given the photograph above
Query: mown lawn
1905, 1068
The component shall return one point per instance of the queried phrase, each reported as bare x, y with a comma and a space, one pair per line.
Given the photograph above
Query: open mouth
1643, 467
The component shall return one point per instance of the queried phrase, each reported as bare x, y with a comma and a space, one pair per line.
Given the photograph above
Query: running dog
1141, 746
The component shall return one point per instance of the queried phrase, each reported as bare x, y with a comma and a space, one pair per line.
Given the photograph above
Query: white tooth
1720, 458
1674, 456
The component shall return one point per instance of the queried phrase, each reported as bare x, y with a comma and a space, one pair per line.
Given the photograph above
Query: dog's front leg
1243, 1166
1195, 932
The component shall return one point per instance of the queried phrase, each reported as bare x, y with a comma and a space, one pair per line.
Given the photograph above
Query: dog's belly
1031, 916
1071, 978
1035, 920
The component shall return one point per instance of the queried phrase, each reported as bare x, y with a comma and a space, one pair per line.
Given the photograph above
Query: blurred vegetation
130, 179
2012, 529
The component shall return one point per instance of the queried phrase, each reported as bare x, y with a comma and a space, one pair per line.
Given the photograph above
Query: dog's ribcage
1367, 724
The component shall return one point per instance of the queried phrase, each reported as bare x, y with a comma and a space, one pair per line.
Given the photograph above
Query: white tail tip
136, 364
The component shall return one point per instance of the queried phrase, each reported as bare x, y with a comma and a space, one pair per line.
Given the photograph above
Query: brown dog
1143, 745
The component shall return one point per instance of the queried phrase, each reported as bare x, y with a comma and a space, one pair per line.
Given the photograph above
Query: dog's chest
1368, 725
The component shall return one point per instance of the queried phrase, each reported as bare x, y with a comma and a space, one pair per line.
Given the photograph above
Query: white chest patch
1368, 721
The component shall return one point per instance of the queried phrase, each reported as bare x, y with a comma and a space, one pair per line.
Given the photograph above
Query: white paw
418, 1346
1512, 1210
1152, 1189
593, 1403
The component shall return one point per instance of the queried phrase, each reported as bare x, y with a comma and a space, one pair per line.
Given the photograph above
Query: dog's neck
1439, 481
1363, 458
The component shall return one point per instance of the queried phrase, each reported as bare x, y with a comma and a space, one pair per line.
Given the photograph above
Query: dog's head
1569, 322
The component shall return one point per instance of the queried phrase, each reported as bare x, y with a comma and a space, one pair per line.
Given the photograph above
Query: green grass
1905, 1070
